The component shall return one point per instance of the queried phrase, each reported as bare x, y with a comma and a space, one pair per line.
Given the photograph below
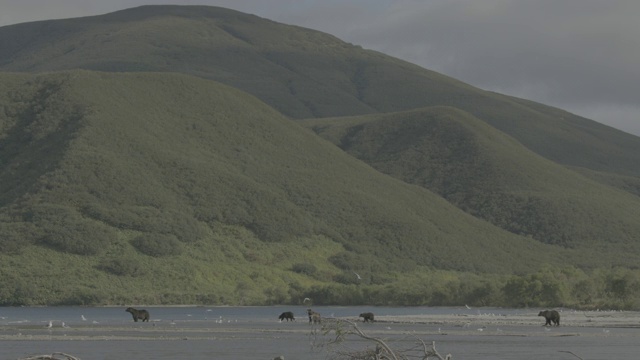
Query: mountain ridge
303, 73
188, 142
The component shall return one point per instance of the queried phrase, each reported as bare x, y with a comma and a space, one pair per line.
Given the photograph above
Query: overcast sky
580, 55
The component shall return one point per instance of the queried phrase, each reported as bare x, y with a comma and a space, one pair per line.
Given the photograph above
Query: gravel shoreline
609, 319
572, 323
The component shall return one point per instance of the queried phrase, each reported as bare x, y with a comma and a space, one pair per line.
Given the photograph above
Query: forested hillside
489, 175
121, 175
188, 154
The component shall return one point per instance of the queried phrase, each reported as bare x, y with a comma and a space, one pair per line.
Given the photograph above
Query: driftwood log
382, 349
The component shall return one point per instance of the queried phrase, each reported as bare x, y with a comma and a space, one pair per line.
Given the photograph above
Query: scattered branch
432, 352
569, 352
344, 329
54, 356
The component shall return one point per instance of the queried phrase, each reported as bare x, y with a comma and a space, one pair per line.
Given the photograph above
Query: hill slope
139, 184
136, 176
489, 175
302, 73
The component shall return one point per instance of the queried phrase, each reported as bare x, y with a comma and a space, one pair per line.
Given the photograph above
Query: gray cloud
579, 55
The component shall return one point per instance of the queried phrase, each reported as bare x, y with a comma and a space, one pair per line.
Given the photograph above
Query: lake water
255, 333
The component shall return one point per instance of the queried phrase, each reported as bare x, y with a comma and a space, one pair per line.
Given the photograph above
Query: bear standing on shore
138, 314
287, 315
550, 316
314, 317
367, 316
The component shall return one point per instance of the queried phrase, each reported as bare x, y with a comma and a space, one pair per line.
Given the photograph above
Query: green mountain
489, 175
301, 73
187, 154
129, 173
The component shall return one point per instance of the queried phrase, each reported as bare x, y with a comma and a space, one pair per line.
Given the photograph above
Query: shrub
157, 245
64, 229
14, 237
78, 238
121, 267
304, 268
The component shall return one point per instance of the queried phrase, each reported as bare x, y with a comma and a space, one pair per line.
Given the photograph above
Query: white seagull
358, 276
50, 324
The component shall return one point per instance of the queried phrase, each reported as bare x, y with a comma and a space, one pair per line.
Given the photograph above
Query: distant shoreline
572, 318
573, 323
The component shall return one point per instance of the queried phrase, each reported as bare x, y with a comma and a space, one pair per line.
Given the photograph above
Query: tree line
616, 288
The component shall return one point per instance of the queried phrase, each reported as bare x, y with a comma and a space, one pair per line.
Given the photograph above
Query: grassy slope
491, 176
253, 54
302, 73
229, 192
630, 184
77, 185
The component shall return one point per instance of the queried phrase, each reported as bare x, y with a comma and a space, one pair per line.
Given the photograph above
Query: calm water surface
255, 333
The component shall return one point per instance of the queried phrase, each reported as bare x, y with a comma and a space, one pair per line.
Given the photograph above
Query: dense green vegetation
120, 180
548, 287
244, 206
489, 175
149, 182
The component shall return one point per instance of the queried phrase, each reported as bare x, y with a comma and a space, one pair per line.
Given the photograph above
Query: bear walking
551, 316
138, 314
287, 315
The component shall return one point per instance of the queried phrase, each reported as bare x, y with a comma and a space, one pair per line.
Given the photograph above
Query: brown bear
551, 316
138, 314
288, 315
367, 316
314, 317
